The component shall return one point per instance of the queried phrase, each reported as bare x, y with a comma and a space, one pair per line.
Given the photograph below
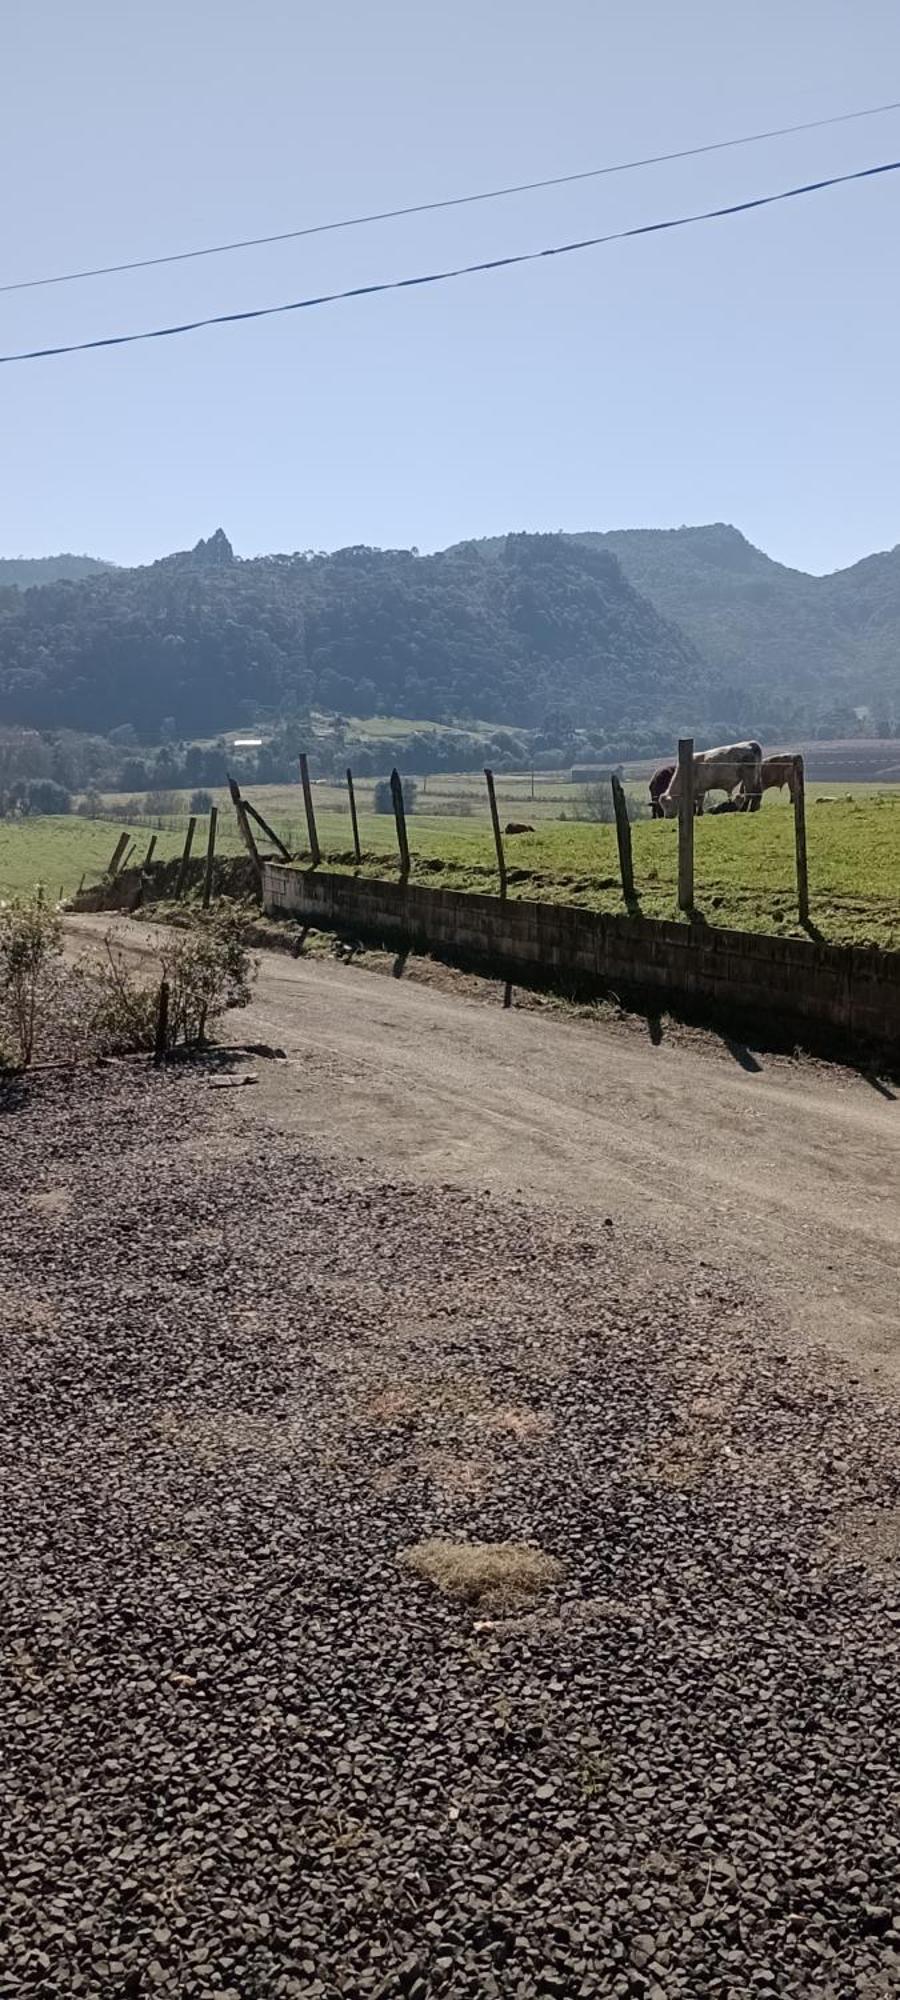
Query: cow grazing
517, 826
720, 770
660, 783
774, 772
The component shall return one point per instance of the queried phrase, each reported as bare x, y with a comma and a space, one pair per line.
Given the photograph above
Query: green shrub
209, 970
30, 952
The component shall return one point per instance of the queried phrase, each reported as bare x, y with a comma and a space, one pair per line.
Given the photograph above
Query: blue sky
742, 371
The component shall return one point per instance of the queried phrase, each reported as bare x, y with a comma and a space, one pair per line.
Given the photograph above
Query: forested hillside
23, 572
636, 636
546, 629
819, 645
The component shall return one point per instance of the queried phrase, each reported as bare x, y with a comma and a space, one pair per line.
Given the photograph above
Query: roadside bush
209, 970
100, 1006
383, 797
30, 953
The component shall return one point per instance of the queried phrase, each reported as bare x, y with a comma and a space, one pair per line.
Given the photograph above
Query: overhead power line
461, 271
451, 201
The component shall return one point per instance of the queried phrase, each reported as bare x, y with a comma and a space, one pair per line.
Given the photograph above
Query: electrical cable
452, 201
461, 271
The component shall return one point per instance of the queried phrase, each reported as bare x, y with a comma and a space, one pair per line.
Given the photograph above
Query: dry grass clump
483, 1572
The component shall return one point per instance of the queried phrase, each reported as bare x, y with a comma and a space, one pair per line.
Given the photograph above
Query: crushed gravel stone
248, 1752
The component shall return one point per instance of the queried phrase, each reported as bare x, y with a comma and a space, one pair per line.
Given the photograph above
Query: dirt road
788, 1172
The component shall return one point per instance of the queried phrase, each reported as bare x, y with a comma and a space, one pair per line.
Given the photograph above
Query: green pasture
744, 863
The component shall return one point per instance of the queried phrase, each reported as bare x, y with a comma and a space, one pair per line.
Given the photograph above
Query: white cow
720, 770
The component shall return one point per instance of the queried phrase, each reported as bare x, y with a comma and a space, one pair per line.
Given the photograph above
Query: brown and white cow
774, 772
720, 770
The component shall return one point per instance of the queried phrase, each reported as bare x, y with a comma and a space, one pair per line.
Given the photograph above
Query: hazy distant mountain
547, 630
22, 572
822, 638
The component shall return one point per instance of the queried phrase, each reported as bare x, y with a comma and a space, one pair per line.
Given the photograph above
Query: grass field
744, 864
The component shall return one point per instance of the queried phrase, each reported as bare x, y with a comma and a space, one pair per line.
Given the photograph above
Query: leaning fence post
244, 829
400, 818
117, 854
188, 844
498, 837
354, 822
799, 794
148, 857
314, 848
210, 856
162, 1023
268, 830
686, 823
623, 837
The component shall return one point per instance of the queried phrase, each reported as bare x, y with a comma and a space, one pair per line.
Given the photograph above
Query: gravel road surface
694, 1144
246, 1753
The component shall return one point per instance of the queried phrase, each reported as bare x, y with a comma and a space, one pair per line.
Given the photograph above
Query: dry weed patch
483, 1572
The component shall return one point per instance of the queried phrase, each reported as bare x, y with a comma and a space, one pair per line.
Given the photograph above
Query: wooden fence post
188, 844
210, 856
269, 831
148, 857
314, 848
400, 818
117, 854
686, 823
799, 795
354, 822
244, 829
162, 1024
623, 837
498, 837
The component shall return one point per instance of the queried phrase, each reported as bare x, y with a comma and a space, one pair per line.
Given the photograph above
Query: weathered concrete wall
817, 994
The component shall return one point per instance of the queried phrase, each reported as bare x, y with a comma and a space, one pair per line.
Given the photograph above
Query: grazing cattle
660, 783
774, 772
517, 826
720, 770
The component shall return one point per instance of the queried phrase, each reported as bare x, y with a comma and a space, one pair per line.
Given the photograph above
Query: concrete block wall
816, 994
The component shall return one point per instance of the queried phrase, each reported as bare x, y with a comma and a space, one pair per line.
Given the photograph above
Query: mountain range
756, 620
635, 635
